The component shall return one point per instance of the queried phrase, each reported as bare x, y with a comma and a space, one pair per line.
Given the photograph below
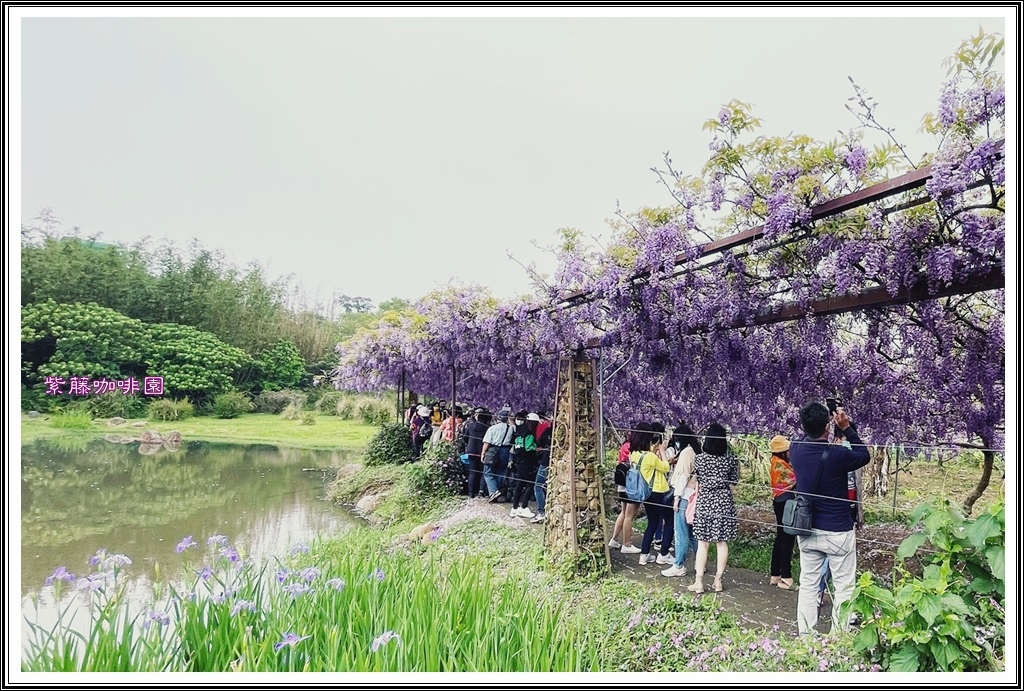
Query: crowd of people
506, 455
690, 503
690, 479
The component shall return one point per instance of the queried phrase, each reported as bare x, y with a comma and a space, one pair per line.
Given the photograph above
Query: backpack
425, 429
637, 488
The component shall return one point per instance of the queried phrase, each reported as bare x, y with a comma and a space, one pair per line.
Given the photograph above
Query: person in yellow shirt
654, 470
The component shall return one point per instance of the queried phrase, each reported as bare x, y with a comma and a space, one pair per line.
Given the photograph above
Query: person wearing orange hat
783, 482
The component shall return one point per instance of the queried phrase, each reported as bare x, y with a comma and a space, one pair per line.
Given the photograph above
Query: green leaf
909, 546
982, 528
945, 654
904, 660
996, 555
866, 639
929, 607
956, 603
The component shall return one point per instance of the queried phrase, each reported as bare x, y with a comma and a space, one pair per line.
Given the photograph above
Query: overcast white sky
384, 157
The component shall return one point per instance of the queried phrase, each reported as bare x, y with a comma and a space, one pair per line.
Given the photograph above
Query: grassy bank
327, 433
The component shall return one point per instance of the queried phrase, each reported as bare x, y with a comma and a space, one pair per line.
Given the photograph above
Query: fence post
896, 481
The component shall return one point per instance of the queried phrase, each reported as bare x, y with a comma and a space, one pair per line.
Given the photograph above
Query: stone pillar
576, 528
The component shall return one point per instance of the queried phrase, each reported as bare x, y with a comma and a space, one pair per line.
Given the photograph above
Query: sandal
785, 584
696, 588
718, 584
774, 581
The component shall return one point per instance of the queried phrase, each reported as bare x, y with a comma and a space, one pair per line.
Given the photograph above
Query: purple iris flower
310, 573
337, 583
383, 639
289, 639
301, 548
59, 574
217, 540
185, 544
205, 573
243, 604
296, 589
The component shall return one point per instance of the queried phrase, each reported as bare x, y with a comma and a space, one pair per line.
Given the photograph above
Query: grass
329, 433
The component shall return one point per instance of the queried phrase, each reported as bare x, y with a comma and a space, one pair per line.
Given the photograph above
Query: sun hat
423, 411
778, 444
533, 416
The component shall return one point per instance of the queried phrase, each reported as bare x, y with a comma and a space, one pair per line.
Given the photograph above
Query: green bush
346, 409
328, 402
393, 444
274, 402
374, 412
231, 404
169, 410
72, 419
282, 366
442, 471
948, 614
115, 404
309, 418
292, 412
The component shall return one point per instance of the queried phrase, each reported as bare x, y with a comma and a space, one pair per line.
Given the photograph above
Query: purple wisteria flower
310, 573
243, 604
290, 640
301, 548
296, 590
337, 583
59, 574
185, 544
217, 540
383, 640
724, 116
856, 160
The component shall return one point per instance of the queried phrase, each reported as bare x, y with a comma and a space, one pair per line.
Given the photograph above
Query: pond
80, 496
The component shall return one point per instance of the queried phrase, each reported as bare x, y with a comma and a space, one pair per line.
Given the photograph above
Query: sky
388, 157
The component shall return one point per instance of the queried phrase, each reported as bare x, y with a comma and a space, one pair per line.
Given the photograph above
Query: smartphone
833, 404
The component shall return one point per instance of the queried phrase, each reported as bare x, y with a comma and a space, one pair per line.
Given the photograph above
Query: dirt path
747, 594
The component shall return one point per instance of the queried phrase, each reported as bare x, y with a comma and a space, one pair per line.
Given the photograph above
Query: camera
833, 404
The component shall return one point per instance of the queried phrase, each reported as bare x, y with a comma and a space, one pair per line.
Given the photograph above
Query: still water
81, 496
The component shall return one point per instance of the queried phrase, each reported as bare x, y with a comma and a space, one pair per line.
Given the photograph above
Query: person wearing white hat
421, 430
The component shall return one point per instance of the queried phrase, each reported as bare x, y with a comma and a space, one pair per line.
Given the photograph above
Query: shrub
115, 404
374, 412
346, 409
948, 615
443, 472
309, 418
393, 444
168, 410
72, 419
291, 412
231, 404
274, 402
328, 402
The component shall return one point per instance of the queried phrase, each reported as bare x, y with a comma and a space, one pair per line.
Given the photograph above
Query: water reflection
79, 498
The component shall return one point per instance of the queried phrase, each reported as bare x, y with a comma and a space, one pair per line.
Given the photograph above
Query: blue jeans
684, 534
496, 474
541, 489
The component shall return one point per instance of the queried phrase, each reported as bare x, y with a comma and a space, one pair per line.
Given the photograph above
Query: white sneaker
665, 559
514, 513
630, 549
539, 518
645, 559
614, 544
674, 571
526, 513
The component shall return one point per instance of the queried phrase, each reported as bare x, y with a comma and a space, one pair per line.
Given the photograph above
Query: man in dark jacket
821, 475
474, 432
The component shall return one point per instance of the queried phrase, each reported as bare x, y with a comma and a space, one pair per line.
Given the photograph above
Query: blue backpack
637, 488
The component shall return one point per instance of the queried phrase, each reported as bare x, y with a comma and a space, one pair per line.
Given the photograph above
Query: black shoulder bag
798, 513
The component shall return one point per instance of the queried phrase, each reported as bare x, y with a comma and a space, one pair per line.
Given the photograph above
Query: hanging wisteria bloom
383, 640
310, 573
217, 540
337, 583
290, 640
185, 544
59, 574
